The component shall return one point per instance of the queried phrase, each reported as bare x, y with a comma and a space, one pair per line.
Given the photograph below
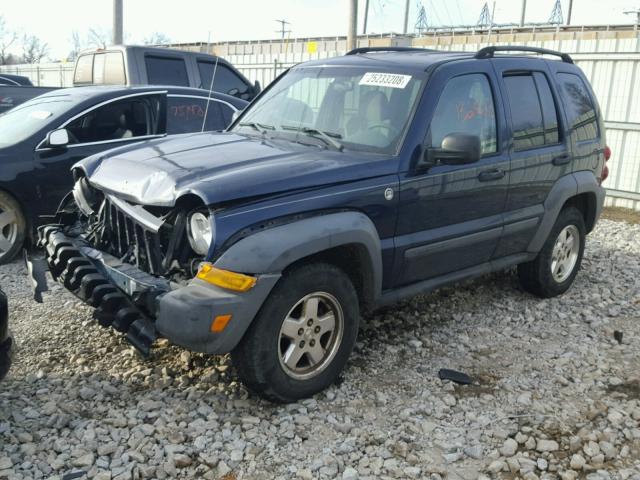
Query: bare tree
77, 45
7, 38
33, 50
157, 38
99, 38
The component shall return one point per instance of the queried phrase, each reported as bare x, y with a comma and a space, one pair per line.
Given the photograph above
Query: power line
460, 12
434, 11
446, 10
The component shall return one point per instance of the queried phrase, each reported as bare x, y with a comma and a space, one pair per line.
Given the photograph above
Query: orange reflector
225, 279
219, 323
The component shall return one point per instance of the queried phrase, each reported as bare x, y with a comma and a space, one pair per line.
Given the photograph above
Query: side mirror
455, 149
256, 87
58, 138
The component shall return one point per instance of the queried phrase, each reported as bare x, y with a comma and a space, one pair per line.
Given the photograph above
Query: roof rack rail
355, 51
488, 52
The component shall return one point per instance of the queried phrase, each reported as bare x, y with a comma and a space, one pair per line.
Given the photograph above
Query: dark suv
350, 183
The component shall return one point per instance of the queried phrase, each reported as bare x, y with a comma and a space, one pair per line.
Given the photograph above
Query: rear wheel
300, 340
552, 272
13, 227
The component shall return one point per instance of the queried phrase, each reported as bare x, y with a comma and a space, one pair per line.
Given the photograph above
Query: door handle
561, 159
489, 175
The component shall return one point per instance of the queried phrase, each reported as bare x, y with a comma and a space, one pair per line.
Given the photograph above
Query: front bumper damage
142, 306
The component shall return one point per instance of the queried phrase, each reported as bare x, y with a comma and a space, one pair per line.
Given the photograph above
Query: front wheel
300, 340
552, 272
13, 227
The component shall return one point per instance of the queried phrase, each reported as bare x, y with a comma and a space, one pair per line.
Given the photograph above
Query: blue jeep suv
348, 184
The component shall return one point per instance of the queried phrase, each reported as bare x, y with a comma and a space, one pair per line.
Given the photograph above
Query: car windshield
342, 107
24, 120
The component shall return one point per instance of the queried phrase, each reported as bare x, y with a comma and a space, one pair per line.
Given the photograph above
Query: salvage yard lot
556, 395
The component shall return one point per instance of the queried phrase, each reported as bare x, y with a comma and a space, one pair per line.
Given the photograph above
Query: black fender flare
272, 250
564, 189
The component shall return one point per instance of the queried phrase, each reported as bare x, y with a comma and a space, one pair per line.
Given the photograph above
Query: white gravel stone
509, 448
547, 445
542, 370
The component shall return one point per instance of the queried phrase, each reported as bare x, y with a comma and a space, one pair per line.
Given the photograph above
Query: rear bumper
145, 307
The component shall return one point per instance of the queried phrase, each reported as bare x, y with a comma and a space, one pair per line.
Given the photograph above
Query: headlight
200, 232
84, 196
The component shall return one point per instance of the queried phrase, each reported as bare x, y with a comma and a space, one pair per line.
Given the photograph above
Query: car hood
222, 167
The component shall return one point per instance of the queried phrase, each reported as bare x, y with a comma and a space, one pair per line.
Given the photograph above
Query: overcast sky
196, 20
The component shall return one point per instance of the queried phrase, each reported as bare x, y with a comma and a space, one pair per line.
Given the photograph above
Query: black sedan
42, 138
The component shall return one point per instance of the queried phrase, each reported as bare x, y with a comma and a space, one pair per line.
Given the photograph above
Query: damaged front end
119, 257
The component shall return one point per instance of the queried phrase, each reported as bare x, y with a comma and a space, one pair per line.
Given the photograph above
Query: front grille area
132, 241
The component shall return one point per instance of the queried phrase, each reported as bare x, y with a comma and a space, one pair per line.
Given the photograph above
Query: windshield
354, 108
24, 120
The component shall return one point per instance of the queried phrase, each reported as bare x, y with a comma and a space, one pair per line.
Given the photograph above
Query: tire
261, 356
552, 272
13, 227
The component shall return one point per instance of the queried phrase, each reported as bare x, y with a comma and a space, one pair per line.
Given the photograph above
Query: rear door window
226, 81
186, 115
526, 112
580, 107
534, 118
166, 71
549, 110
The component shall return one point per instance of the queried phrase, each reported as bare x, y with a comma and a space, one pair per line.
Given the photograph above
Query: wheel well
586, 204
353, 259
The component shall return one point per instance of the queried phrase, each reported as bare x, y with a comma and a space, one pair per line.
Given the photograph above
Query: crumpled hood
221, 167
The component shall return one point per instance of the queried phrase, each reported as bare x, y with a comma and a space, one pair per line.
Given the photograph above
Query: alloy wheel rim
310, 335
564, 255
8, 229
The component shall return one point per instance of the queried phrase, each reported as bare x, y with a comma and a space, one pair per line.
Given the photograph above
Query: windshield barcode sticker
392, 80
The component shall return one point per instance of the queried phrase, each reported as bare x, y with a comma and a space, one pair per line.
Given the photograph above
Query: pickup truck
137, 65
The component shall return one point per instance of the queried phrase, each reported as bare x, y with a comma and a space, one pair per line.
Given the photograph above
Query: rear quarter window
579, 105
166, 71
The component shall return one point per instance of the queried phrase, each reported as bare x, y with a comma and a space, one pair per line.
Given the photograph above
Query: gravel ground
555, 394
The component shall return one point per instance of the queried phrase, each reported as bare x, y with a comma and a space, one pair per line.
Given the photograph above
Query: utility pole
406, 17
366, 16
569, 12
283, 31
524, 9
117, 22
352, 32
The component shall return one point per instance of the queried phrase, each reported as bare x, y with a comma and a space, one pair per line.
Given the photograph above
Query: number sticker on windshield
392, 80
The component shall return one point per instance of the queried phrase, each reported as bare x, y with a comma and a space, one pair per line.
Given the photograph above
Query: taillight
605, 169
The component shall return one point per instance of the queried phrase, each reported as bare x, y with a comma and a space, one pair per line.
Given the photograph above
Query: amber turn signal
225, 279
219, 323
